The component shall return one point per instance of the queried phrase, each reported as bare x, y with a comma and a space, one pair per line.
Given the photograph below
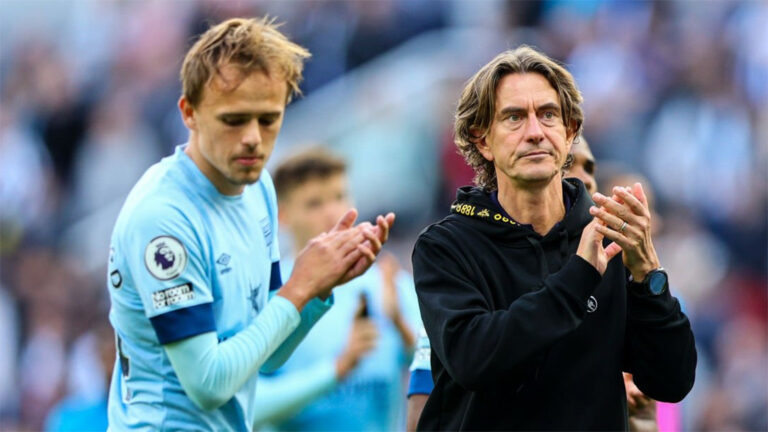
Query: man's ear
570, 135
478, 138
187, 113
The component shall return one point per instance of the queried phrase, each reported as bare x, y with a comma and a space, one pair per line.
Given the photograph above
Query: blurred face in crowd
583, 167
314, 206
234, 127
527, 140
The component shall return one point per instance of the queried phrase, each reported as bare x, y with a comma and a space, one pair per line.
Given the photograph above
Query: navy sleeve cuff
421, 382
183, 323
275, 279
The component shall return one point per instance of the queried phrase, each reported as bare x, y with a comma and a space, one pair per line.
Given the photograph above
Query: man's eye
266, 121
589, 167
514, 117
313, 204
549, 115
234, 121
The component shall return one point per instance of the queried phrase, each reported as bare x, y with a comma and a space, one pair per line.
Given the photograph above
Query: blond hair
247, 43
476, 107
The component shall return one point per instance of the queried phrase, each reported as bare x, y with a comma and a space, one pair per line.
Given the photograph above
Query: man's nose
252, 135
589, 186
533, 131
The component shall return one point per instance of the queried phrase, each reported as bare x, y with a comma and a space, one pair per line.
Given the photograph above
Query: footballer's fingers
373, 241
352, 257
355, 268
383, 225
347, 241
346, 221
336, 237
367, 251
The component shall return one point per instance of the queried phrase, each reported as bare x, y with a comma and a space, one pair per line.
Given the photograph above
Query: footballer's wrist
295, 294
324, 295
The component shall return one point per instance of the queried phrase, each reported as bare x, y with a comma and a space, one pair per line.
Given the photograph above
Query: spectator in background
116, 137
9, 335
25, 180
583, 165
46, 285
79, 412
330, 383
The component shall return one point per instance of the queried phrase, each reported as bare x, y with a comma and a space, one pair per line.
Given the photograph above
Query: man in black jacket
531, 315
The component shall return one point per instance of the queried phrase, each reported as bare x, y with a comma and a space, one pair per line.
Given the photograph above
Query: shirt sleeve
164, 255
421, 368
421, 382
211, 371
279, 397
312, 312
660, 349
421, 359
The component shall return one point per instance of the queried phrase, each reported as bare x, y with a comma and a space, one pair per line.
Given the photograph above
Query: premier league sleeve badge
165, 257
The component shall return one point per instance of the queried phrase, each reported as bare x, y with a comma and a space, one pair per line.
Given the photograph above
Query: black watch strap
656, 282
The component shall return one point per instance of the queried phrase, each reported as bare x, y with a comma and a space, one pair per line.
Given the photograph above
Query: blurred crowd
675, 92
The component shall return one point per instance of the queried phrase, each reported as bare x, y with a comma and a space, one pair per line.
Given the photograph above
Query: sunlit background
675, 92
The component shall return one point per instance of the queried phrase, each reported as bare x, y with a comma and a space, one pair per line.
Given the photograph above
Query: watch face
657, 283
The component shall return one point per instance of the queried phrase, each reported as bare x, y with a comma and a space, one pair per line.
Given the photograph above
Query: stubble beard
528, 179
245, 177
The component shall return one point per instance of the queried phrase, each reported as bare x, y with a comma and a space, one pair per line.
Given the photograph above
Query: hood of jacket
476, 209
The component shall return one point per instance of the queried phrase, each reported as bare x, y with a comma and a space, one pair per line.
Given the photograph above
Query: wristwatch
656, 282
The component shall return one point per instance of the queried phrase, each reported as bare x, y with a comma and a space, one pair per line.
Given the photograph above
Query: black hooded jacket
526, 335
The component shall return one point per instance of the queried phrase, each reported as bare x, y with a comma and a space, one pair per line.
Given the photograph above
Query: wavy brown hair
247, 43
476, 107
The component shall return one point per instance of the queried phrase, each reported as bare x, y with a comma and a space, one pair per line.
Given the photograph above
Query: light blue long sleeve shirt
305, 395
190, 274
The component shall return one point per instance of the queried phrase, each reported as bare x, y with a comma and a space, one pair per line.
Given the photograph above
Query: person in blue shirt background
333, 381
197, 301
80, 412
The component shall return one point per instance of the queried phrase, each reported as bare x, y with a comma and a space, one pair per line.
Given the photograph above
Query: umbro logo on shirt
223, 262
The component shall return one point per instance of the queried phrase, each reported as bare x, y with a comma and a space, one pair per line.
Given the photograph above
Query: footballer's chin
246, 176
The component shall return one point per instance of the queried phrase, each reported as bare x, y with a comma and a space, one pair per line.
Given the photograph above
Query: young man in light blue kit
348, 372
198, 304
